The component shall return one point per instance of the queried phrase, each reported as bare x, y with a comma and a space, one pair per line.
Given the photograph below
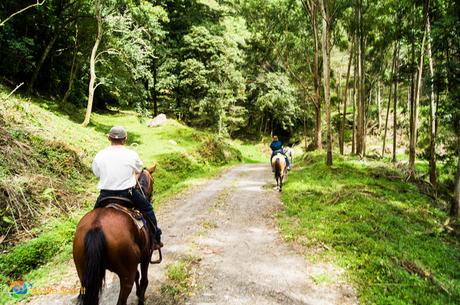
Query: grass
180, 280
388, 236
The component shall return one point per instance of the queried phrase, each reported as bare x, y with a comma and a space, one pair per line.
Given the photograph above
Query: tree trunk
317, 144
74, 68
361, 100
433, 176
344, 116
326, 50
389, 103
379, 106
305, 130
415, 107
395, 102
155, 96
92, 64
454, 208
355, 84
40, 63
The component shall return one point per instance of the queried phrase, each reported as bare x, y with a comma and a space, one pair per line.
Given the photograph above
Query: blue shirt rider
277, 147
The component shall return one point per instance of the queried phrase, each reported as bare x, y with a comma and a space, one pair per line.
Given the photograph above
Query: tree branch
11, 93
22, 10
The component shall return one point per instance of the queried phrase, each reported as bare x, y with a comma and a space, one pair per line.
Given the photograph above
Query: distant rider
116, 167
277, 147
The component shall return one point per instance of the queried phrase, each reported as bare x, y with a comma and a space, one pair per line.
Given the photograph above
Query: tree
92, 63
415, 101
326, 50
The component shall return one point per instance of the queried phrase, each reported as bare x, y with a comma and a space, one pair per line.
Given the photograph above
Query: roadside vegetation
388, 234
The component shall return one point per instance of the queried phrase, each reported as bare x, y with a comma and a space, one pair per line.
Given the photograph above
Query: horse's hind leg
126, 285
136, 281
144, 282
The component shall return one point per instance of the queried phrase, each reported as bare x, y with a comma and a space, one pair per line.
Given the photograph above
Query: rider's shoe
289, 168
157, 245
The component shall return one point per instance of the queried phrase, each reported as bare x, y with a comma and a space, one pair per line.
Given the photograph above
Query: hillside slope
389, 236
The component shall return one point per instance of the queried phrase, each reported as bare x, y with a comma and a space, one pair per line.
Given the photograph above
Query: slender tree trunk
395, 102
317, 144
155, 97
454, 209
389, 103
326, 42
74, 68
40, 63
355, 84
379, 106
345, 91
305, 130
433, 176
92, 64
418, 85
361, 99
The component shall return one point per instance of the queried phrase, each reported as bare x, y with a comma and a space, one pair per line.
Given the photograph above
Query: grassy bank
388, 236
46, 168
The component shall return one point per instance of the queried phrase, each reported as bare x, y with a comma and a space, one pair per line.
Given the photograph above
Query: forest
339, 73
369, 78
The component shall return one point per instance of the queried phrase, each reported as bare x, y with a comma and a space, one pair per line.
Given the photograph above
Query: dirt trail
227, 224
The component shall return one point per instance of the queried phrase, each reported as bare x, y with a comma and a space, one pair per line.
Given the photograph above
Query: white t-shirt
116, 167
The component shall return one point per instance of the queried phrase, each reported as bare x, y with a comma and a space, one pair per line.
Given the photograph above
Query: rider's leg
146, 208
271, 159
288, 165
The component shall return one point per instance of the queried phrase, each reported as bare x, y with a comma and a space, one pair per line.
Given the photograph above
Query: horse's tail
277, 168
95, 265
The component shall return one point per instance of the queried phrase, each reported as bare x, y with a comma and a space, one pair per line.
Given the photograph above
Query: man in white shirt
116, 167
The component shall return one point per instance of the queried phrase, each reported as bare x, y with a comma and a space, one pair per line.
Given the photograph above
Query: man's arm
138, 166
95, 168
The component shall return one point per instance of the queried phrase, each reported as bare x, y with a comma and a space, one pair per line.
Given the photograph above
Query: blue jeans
139, 201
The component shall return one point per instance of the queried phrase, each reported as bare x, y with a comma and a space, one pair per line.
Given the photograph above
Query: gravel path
227, 226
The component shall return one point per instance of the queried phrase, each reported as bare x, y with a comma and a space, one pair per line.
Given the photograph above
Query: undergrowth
382, 230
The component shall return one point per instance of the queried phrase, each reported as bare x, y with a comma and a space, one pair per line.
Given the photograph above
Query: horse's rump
280, 161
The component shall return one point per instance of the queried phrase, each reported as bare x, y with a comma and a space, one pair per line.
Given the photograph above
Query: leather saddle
126, 206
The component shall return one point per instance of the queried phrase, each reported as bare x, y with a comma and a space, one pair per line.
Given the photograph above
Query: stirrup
160, 257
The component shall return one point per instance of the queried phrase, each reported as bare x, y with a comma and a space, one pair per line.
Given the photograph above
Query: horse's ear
152, 168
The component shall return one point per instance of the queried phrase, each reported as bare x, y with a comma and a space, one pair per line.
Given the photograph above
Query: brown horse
107, 238
279, 164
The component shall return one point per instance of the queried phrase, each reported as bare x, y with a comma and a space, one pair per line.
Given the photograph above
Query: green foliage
276, 95
38, 251
180, 280
387, 235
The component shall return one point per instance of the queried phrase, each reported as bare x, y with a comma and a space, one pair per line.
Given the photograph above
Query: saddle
135, 215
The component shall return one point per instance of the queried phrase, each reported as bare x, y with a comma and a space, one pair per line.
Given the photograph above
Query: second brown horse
108, 238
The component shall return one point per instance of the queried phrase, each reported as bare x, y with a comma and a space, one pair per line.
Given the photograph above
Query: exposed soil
227, 225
